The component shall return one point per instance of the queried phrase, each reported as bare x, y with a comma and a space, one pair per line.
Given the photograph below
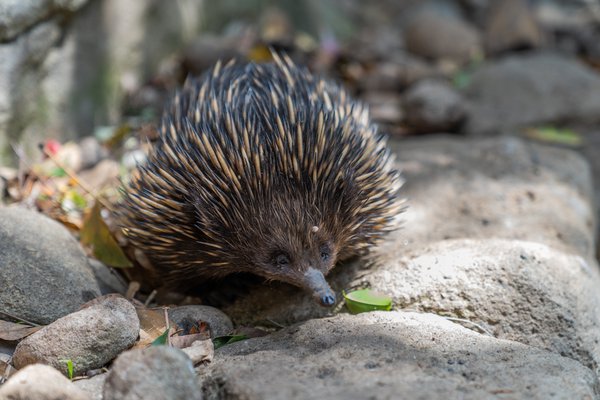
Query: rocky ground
494, 276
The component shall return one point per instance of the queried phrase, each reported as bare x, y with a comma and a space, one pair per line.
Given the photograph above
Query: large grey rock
503, 187
93, 386
530, 89
522, 291
433, 106
511, 25
433, 35
390, 355
218, 322
44, 272
40, 382
90, 338
153, 373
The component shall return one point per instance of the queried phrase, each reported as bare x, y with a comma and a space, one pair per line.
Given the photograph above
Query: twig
151, 297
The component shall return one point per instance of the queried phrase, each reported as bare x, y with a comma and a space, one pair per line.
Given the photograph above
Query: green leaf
58, 172
69, 367
161, 340
555, 135
365, 300
96, 234
228, 339
461, 79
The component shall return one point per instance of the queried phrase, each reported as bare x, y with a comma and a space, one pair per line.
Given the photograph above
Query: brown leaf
12, 331
200, 351
152, 325
183, 341
95, 233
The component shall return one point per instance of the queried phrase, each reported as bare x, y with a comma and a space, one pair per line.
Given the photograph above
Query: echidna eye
282, 260
325, 254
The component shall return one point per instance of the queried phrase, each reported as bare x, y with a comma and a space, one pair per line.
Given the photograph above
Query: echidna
262, 168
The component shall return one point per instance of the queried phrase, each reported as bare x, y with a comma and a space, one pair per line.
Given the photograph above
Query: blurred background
89, 78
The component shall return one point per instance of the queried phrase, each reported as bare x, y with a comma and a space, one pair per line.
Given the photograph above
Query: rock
153, 373
382, 354
107, 278
438, 37
93, 386
91, 152
511, 25
396, 74
494, 188
433, 106
40, 382
529, 89
43, 270
90, 338
218, 322
482, 241
517, 290
374, 41
205, 50
384, 107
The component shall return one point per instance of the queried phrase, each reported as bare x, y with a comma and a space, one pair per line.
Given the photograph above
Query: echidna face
303, 261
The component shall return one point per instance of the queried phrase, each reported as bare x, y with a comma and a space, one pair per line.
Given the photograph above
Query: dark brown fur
263, 169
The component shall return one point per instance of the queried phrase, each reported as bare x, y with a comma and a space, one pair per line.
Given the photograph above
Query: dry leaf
95, 233
12, 331
200, 351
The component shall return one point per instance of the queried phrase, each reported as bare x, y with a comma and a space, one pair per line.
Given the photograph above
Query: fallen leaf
228, 339
365, 300
200, 351
555, 135
183, 341
152, 326
12, 331
95, 233
162, 339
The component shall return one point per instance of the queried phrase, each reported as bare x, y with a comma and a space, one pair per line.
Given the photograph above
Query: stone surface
43, 270
93, 386
153, 373
433, 106
436, 36
532, 89
218, 322
496, 188
522, 291
384, 108
107, 278
90, 338
40, 382
397, 74
381, 355
511, 25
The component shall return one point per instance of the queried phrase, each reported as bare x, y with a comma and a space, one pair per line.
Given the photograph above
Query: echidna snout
316, 283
